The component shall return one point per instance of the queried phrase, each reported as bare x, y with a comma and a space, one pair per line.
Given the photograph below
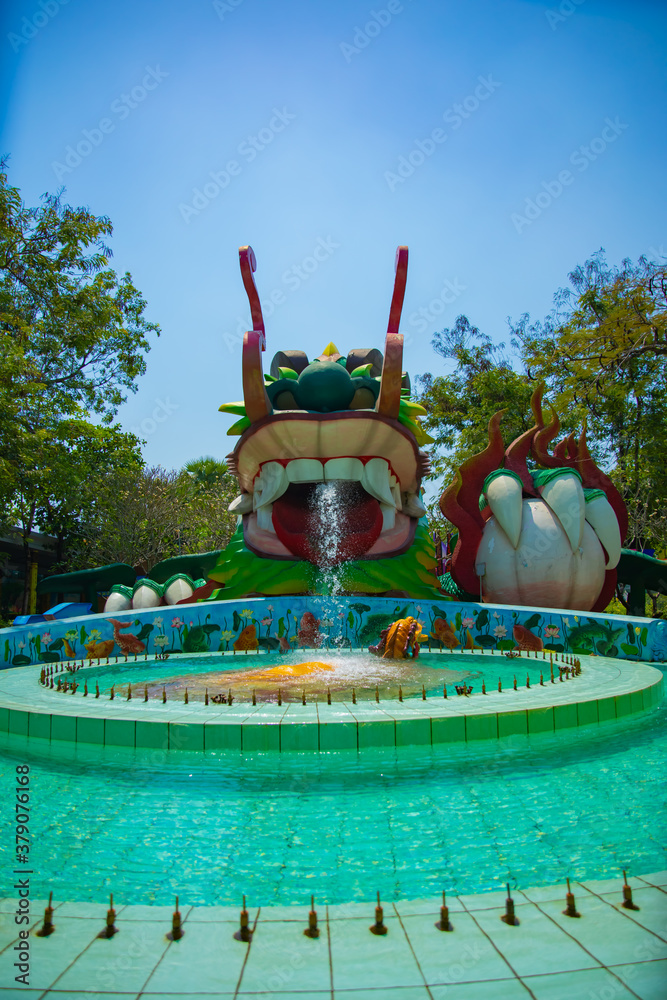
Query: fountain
332, 551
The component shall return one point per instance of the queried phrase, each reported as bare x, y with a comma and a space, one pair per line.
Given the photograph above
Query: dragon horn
248, 267
392, 370
257, 403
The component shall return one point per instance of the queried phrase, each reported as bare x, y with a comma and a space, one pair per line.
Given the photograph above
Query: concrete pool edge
609, 951
629, 688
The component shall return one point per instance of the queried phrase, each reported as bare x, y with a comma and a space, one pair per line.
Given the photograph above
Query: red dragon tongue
323, 535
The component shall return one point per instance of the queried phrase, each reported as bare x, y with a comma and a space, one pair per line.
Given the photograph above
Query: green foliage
144, 515
204, 472
74, 339
460, 405
74, 334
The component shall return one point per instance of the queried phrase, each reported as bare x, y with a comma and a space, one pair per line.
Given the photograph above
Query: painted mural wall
284, 623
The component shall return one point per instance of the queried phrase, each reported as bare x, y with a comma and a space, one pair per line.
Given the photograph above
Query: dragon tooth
388, 516
265, 517
243, 504
504, 494
305, 470
351, 469
395, 488
412, 505
602, 519
375, 480
270, 484
564, 494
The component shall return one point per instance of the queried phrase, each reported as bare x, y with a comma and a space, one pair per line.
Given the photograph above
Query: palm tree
205, 471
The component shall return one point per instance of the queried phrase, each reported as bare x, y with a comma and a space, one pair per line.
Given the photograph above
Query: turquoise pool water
340, 671
530, 810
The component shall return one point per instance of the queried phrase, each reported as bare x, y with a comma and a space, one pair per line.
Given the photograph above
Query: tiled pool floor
610, 953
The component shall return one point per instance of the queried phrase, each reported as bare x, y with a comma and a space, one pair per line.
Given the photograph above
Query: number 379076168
22, 809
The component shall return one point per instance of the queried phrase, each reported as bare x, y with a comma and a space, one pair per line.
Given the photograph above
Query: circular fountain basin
125, 714
317, 673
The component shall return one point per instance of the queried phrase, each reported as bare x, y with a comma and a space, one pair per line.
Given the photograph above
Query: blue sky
345, 127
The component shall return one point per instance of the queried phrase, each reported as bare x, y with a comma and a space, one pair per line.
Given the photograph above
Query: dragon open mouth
327, 523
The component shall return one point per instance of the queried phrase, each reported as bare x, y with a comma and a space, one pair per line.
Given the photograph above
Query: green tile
653, 695
256, 736
39, 725
338, 736
186, 736
606, 709
18, 722
152, 734
63, 727
482, 727
511, 723
413, 732
4, 720
376, 734
565, 716
448, 730
119, 732
90, 731
299, 736
623, 705
637, 701
587, 712
648, 697
223, 736
540, 720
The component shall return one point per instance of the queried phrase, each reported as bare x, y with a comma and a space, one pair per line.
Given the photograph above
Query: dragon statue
330, 468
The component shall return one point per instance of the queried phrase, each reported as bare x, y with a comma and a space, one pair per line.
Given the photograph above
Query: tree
460, 405
142, 517
74, 336
206, 471
76, 459
74, 340
603, 354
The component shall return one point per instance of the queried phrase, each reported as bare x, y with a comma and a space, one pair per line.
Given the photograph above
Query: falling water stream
327, 505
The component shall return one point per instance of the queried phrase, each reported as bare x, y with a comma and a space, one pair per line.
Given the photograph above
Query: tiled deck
610, 953
606, 689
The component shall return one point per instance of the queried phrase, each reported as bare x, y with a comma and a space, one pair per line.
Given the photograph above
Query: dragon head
337, 428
